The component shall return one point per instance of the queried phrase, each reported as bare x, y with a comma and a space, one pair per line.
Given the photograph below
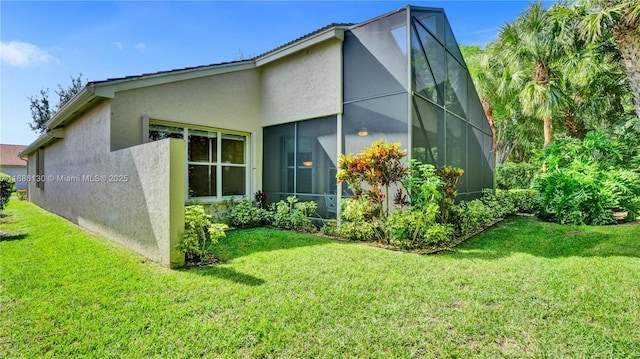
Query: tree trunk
488, 111
548, 136
628, 41
548, 130
575, 127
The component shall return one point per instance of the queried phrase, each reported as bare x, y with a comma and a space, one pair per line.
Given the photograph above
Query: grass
521, 289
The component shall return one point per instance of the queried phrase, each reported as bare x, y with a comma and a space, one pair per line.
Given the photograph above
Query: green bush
500, 203
417, 228
358, 222
200, 235
523, 199
586, 182
330, 228
294, 215
246, 214
573, 197
423, 184
6, 188
516, 175
472, 216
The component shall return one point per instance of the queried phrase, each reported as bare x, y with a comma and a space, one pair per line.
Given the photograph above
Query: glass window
159, 132
202, 180
202, 146
233, 149
216, 161
233, 181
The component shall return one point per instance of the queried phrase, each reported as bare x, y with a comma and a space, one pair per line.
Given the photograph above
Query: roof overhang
108, 88
45, 139
95, 91
336, 32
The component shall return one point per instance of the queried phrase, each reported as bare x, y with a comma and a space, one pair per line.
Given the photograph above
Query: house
125, 154
13, 165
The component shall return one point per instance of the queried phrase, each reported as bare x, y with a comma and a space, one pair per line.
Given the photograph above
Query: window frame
217, 165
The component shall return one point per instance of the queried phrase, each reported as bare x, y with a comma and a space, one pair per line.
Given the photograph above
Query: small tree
379, 166
40, 105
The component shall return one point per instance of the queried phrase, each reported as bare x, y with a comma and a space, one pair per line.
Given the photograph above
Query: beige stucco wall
304, 85
132, 196
228, 101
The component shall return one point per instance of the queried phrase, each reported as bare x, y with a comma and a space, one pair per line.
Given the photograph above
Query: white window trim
148, 122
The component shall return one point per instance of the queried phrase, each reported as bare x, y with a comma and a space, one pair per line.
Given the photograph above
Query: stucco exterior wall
133, 196
229, 101
303, 85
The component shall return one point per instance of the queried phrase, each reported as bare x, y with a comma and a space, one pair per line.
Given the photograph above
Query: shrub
330, 227
200, 235
472, 216
423, 184
22, 194
417, 228
573, 197
379, 167
450, 177
516, 175
6, 188
294, 215
500, 203
246, 214
587, 181
358, 221
523, 199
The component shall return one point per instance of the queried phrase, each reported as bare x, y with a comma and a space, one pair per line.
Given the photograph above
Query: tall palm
494, 82
591, 75
529, 45
622, 18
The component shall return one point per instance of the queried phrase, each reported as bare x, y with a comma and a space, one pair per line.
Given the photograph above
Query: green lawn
521, 289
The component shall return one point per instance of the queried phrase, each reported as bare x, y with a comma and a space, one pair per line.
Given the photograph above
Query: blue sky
46, 43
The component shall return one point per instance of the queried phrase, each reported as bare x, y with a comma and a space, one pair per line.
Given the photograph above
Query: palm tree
494, 82
622, 18
591, 76
531, 48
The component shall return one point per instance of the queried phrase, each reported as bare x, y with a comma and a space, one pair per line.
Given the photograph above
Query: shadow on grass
227, 274
532, 236
10, 236
243, 242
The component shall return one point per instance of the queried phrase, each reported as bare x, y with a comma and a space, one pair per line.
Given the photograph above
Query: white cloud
23, 54
141, 47
118, 44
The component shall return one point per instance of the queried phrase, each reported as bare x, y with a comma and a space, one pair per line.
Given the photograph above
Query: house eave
50, 136
109, 88
78, 103
336, 32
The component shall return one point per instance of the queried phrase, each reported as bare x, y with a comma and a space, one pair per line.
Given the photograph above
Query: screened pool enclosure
404, 80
